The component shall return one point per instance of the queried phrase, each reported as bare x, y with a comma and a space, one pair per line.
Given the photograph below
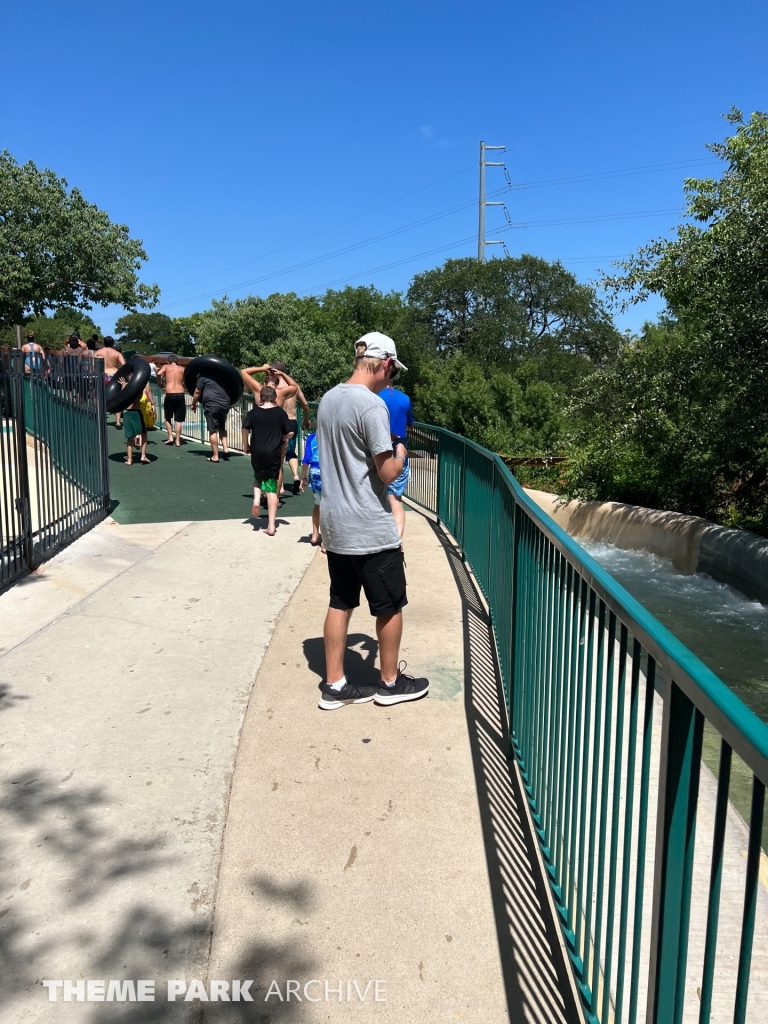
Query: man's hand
193, 407
389, 467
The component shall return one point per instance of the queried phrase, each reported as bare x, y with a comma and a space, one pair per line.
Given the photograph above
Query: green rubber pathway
179, 484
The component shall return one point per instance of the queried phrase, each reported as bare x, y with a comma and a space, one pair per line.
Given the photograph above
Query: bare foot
169, 441
272, 532
256, 511
129, 462
145, 461
178, 444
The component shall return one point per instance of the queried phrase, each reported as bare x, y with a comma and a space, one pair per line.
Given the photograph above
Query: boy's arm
246, 446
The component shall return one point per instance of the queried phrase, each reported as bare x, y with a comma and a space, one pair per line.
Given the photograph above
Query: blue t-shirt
400, 411
312, 459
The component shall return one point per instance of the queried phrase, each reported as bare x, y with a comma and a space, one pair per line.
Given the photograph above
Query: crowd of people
355, 463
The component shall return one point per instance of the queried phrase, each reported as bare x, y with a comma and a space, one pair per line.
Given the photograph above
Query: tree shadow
359, 658
537, 977
83, 860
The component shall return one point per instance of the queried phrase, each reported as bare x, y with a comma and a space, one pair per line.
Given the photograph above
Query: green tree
504, 310
52, 331
146, 332
645, 430
58, 250
713, 276
255, 330
514, 415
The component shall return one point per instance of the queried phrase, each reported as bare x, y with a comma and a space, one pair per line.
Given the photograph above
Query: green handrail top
741, 728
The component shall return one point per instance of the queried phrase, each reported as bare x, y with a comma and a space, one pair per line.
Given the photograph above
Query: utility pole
481, 239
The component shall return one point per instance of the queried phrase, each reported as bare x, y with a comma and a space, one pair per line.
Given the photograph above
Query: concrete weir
692, 544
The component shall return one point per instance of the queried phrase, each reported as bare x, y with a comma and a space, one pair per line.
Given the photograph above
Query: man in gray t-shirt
358, 528
215, 401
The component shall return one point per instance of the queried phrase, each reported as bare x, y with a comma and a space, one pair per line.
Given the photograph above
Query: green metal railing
54, 477
607, 711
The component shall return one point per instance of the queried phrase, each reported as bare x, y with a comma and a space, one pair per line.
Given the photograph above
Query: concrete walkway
367, 845
126, 667
384, 845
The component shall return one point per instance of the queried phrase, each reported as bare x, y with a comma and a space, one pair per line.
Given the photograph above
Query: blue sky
248, 143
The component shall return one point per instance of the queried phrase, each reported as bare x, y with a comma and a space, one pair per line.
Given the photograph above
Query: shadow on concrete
8, 698
70, 936
359, 660
536, 976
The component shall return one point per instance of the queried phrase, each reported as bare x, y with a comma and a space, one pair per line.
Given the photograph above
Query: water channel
721, 626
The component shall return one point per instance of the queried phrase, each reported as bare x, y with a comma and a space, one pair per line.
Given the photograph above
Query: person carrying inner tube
134, 427
215, 402
113, 360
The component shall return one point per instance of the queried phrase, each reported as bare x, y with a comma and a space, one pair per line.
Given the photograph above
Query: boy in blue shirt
311, 463
400, 421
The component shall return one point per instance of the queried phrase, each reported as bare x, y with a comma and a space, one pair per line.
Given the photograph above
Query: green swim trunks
268, 486
133, 425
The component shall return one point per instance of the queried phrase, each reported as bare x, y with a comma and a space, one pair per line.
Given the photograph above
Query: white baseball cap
379, 346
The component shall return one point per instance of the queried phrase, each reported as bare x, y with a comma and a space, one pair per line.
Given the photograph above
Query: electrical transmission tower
482, 241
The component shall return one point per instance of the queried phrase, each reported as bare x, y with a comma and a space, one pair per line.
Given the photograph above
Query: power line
337, 252
324, 231
653, 168
625, 173
591, 220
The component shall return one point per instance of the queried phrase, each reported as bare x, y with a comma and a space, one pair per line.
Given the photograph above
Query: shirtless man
171, 378
113, 360
289, 405
34, 356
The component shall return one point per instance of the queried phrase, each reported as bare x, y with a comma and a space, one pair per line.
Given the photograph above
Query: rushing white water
725, 629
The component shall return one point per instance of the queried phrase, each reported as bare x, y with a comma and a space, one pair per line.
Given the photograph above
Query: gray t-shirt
212, 395
353, 427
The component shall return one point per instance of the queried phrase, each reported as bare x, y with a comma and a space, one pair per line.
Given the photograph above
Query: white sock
389, 684
340, 685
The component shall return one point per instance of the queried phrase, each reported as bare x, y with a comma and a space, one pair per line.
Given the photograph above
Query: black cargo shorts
380, 575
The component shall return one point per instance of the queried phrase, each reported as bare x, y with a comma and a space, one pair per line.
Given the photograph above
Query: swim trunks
133, 425
175, 408
293, 427
397, 487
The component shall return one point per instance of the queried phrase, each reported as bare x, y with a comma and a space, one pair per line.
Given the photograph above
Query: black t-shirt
212, 395
267, 427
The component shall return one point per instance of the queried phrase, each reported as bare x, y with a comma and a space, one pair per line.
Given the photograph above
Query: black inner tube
136, 373
219, 370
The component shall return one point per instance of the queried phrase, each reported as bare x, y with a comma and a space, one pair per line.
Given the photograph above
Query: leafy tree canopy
58, 250
155, 332
52, 331
255, 330
504, 310
713, 275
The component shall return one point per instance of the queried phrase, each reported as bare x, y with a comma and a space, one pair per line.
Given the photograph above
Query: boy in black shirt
265, 433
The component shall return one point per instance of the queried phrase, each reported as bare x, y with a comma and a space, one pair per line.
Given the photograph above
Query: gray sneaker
350, 693
404, 688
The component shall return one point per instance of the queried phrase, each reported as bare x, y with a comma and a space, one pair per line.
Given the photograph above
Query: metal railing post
23, 501
682, 731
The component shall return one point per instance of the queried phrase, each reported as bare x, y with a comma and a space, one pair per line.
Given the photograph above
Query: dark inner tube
137, 373
219, 370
